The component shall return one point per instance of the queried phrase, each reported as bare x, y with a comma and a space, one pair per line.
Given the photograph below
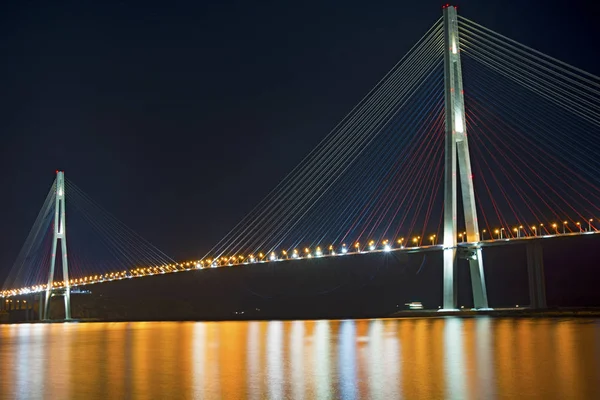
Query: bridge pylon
60, 234
457, 152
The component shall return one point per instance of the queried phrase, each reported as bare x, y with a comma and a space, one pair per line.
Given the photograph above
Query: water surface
480, 358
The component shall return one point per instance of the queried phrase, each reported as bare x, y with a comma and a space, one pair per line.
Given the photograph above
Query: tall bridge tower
60, 233
457, 151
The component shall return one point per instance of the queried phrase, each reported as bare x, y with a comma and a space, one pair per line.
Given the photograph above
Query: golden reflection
212, 382
232, 356
568, 369
392, 387
198, 349
117, 343
274, 359
59, 355
142, 356
377, 359
254, 363
454, 363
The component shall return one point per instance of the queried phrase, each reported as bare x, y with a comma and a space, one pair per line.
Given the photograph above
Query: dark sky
178, 117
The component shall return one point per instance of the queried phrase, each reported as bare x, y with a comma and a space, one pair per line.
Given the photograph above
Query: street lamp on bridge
517, 230
590, 225
579, 225
565, 227
555, 226
386, 245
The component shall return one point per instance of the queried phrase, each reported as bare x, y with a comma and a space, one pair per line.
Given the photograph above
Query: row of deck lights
306, 253
499, 232
295, 254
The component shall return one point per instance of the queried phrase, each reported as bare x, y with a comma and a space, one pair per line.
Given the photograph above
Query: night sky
178, 117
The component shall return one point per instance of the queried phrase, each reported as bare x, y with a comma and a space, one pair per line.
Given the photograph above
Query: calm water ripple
436, 358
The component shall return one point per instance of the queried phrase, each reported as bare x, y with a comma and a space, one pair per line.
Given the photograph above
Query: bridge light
273, 257
344, 249
387, 247
372, 245
295, 253
319, 253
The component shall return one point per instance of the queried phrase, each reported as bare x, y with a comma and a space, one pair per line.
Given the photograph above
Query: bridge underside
368, 285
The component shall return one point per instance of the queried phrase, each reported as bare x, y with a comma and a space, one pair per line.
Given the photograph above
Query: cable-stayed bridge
471, 140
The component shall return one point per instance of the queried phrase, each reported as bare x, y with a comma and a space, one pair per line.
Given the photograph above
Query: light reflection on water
480, 358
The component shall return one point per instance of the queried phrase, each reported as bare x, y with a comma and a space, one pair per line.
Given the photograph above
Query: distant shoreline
580, 312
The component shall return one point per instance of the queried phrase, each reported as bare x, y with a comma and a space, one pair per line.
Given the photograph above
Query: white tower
457, 147
60, 233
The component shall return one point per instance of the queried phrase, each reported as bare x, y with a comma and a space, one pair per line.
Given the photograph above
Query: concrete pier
535, 270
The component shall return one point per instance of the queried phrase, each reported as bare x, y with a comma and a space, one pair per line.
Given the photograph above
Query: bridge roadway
194, 265
371, 282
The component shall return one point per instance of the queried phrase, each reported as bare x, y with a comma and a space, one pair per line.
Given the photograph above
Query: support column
537, 280
41, 307
457, 151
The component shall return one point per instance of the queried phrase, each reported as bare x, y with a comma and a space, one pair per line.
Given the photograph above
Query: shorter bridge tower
60, 234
